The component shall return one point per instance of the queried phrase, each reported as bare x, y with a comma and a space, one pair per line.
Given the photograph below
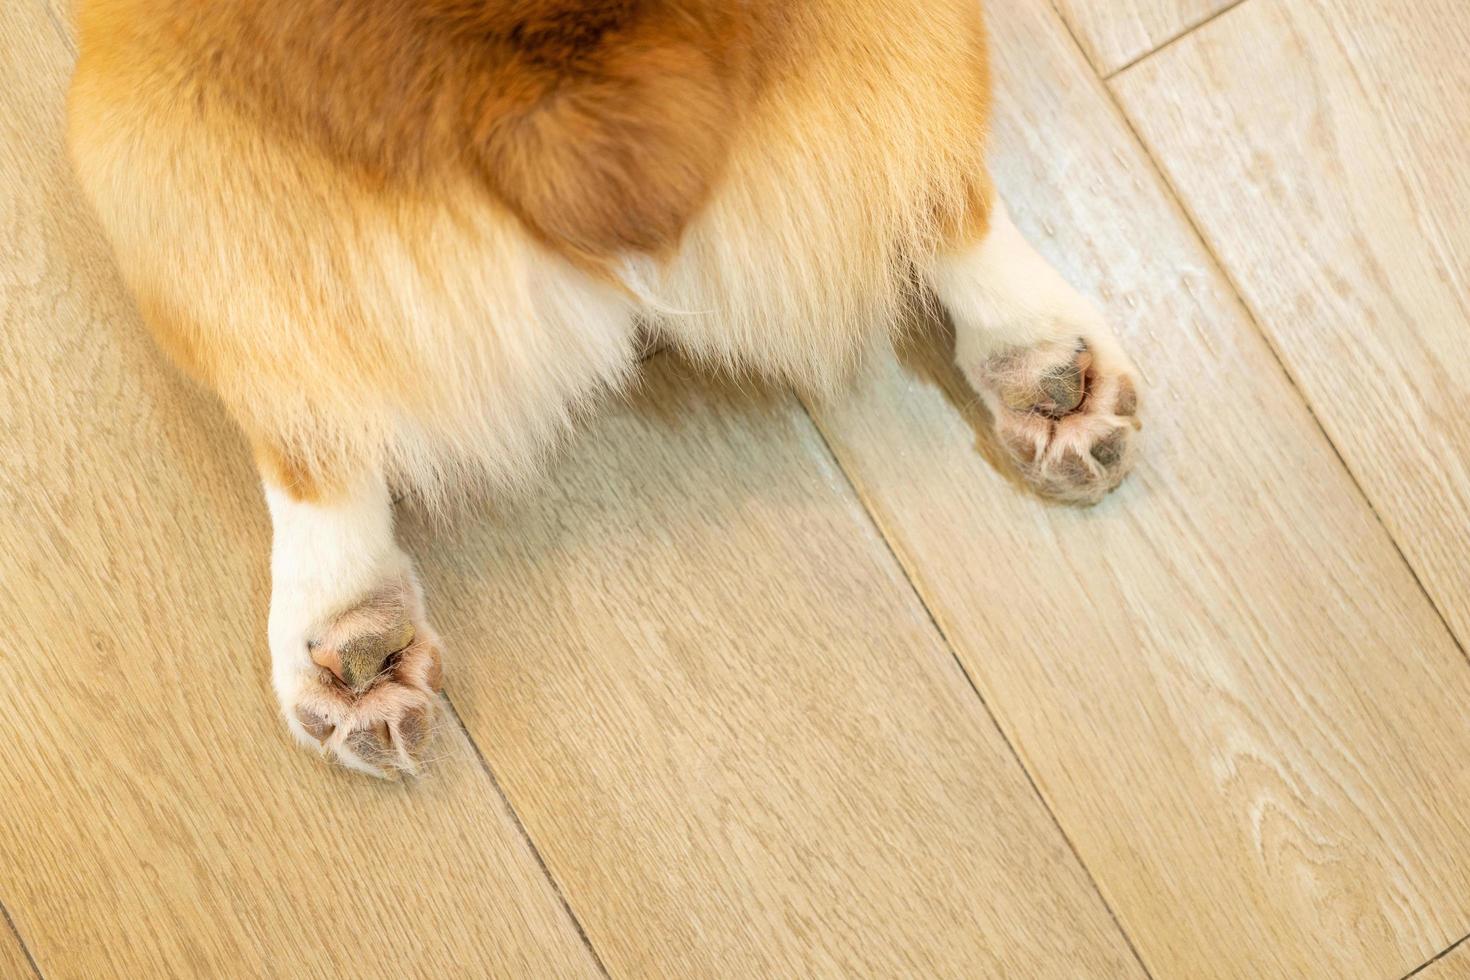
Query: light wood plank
1115, 33
1224, 679
1339, 203
1454, 965
13, 962
714, 700
62, 14
154, 820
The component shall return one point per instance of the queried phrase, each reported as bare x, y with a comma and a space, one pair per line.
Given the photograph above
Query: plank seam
15, 931
974, 688
1256, 323
526, 836
1182, 33
1436, 957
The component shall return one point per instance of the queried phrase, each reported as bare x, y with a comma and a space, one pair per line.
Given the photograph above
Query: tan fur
419, 235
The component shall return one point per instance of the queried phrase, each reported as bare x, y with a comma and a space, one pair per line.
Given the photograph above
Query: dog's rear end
415, 233
404, 240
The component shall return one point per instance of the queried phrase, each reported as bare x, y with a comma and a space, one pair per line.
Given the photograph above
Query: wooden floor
758, 688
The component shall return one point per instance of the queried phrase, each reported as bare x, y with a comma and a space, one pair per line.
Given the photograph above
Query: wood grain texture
154, 820
1115, 33
1324, 149
715, 702
1454, 965
13, 962
1242, 709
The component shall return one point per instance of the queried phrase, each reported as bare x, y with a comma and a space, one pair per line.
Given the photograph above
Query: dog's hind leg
1063, 394
353, 659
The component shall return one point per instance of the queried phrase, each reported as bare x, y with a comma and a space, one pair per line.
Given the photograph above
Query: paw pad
1066, 416
366, 698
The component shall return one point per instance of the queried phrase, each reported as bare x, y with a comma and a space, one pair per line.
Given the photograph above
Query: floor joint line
949, 647
526, 836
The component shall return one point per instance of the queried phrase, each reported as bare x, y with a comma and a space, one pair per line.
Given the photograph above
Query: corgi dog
406, 241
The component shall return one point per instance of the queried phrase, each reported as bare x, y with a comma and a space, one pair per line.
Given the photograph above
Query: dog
407, 241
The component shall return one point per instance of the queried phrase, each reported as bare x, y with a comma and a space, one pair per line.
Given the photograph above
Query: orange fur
416, 234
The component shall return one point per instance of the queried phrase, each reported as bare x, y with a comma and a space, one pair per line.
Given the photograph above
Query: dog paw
1066, 414
364, 693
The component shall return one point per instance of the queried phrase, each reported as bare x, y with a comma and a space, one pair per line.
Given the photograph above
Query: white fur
325, 558
1003, 295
